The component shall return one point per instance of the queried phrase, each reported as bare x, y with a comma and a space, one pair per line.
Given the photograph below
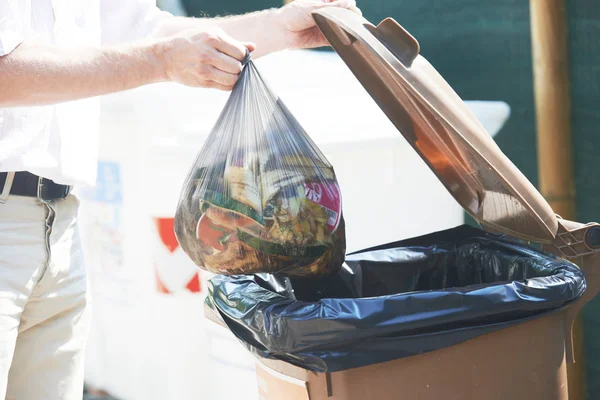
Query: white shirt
60, 142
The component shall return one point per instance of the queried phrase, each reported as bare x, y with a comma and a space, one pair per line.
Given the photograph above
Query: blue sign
108, 188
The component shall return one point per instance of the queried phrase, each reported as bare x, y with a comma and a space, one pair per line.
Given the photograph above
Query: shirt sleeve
129, 20
12, 17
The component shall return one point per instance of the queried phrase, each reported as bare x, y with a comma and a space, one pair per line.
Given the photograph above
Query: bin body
523, 362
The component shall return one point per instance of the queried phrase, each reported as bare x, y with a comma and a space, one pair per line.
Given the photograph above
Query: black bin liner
396, 300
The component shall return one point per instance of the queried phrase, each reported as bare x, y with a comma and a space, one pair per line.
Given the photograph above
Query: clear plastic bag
261, 197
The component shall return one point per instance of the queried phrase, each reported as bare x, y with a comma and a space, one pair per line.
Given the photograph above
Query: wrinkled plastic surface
396, 300
261, 197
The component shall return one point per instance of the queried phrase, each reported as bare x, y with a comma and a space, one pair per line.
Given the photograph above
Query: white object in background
172, 6
149, 346
492, 114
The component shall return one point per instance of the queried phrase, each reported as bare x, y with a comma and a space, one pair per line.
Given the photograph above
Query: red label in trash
329, 198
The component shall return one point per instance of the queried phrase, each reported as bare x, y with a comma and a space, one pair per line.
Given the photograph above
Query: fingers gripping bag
261, 197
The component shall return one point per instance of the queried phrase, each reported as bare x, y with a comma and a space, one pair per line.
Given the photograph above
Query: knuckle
214, 85
203, 35
203, 71
212, 39
214, 35
208, 37
231, 79
224, 86
240, 47
181, 41
205, 57
235, 67
205, 83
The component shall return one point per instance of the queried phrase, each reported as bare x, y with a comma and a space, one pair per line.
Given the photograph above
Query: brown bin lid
439, 126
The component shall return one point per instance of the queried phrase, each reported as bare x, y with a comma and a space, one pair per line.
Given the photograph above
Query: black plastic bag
396, 300
261, 197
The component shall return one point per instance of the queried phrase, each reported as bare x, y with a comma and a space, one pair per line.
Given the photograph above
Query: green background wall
483, 49
584, 41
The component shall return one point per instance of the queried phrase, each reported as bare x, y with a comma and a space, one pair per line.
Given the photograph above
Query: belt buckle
44, 195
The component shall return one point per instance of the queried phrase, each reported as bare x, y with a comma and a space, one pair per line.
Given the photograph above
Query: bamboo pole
553, 104
549, 38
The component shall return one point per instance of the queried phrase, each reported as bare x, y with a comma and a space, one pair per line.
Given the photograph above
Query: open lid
439, 126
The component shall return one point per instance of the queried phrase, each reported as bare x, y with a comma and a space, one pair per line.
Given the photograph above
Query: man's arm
39, 74
291, 26
194, 52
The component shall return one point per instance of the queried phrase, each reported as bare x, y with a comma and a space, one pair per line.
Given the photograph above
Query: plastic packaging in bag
396, 300
261, 197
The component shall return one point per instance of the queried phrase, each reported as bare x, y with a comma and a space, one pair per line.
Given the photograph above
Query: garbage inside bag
261, 197
396, 300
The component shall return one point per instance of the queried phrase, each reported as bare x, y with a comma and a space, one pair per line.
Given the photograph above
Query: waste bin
493, 320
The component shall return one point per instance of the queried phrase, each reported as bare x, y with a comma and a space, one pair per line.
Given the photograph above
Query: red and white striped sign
174, 271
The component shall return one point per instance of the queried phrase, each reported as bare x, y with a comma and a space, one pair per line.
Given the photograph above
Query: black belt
27, 184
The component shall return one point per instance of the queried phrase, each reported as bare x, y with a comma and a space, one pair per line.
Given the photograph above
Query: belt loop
10, 176
40, 190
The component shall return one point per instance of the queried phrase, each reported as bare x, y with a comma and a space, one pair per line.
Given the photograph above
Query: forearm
261, 28
36, 74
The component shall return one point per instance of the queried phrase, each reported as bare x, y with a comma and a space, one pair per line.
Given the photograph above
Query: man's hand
207, 58
299, 26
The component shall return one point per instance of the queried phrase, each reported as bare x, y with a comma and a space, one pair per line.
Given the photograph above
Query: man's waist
31, 185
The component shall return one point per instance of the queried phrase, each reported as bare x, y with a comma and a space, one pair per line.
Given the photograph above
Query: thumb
349, 4
250, 46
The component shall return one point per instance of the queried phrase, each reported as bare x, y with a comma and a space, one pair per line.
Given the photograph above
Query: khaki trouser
44, 310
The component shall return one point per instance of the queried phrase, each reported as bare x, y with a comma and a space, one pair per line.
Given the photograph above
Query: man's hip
27, 184
44, 313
